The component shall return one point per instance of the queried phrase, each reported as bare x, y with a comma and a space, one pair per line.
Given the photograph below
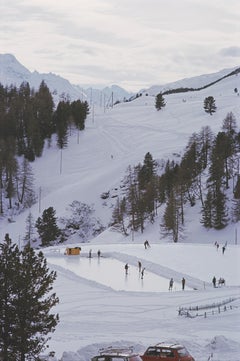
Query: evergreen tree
209, 105
79, 112
205, 139
25, 302
220, 212
61, 118
146, 171
44, 110
47, 226
207, 211
33, 286
9, 266
159, 101
171, 217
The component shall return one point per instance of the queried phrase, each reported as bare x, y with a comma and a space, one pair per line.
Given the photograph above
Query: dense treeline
27, 120
202, 175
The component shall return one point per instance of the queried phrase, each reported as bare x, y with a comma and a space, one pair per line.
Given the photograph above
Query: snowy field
101, 306
104, 307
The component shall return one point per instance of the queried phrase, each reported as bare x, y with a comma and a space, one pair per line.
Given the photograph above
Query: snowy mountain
12, 72
99, 306
193, 82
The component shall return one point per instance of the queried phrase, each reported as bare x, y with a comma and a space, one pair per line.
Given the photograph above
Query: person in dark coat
126, 268
214, 281
142, 273
139, 266
170, 284
183, 283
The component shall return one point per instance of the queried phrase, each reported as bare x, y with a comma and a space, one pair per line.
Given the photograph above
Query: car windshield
183, 352
152, 351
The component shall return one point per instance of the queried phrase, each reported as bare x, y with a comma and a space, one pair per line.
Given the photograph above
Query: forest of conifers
28, 119
202, 175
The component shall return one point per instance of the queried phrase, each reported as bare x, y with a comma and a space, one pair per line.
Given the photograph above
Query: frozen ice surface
111, 273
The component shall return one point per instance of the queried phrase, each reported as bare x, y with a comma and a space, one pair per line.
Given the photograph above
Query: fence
209, 309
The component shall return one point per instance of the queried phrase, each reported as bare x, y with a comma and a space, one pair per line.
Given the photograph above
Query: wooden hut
75, 251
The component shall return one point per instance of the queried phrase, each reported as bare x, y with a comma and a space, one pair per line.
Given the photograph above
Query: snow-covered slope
96, 160
93, 315
193, 82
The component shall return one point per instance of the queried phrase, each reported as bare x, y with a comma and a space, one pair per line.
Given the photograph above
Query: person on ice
170, 284
142, 273
214, 281
183, 283
126, 268
146, 244
139, 266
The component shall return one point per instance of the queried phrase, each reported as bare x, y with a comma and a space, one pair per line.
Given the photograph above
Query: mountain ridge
12, 72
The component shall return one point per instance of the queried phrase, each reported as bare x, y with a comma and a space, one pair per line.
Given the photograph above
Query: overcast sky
132, 43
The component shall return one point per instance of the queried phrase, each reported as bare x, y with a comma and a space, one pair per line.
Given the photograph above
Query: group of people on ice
141, 269
220, 282
171, 282
216, 244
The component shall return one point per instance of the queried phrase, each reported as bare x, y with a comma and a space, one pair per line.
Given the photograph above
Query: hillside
118, 137
95, 294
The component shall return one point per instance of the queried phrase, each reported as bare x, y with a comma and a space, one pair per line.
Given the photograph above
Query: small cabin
72, 251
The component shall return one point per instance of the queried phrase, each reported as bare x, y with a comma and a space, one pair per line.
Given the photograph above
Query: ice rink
111, 273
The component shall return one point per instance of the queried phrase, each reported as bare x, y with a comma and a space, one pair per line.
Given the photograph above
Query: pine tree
47, 226
33, 286
207, 211
9, 261
44, 109
61, 118
79, 112
220, 212
209, 105
146, 171
25, 302
159, 101
171, 217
